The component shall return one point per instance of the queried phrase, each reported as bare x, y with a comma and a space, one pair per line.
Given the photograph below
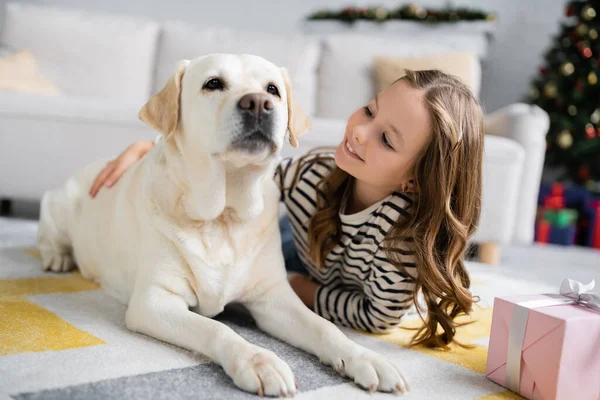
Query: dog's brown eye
214, 84
273, 90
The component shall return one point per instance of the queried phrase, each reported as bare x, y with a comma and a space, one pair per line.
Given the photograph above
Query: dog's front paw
260, 371
57, 262
372, 371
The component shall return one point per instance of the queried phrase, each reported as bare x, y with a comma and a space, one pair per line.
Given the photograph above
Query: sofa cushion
86, 54
300, 55
346, 79
19, 73
464, 65
72, 109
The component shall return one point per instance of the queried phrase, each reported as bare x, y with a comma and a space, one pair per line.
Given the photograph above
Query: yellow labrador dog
193, 226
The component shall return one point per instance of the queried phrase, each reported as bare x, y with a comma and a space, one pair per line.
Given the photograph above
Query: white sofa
107, 66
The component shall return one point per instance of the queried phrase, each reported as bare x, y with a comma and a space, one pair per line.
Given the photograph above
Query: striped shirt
359, 287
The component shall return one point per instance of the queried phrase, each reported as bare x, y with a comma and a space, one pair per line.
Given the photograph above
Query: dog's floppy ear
161, 112
298, 121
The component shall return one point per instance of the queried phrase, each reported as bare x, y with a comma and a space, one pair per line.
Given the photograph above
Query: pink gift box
560, 352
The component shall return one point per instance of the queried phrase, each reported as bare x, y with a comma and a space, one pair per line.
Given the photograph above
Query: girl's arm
377, 308
116, 168
305, 288
284, 175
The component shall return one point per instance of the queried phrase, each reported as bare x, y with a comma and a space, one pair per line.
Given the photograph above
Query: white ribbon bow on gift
582, 294
571, 292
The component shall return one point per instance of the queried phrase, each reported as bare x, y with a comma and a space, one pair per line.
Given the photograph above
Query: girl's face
383, 139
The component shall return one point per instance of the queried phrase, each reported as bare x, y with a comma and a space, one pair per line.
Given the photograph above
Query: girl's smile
350, 151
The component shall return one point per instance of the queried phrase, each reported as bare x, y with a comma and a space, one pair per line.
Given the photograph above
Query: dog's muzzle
256, 110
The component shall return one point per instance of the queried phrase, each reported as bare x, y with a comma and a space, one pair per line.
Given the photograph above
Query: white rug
63, 338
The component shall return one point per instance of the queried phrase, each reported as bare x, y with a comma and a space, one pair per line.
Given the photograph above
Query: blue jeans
290, 254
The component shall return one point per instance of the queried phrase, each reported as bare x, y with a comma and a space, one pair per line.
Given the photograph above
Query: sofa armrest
502, 170
526, 125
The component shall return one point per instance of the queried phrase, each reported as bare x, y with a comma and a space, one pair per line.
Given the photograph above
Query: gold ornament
591, 185
592, 78
588, 13
565, 140
567, 68
421, 12
593, 34
491, 17
550, 90
572, 110
581, 29
381, 13
412, 8
595, 117
534, 93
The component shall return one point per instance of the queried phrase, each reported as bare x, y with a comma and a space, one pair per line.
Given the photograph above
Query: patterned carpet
62, 337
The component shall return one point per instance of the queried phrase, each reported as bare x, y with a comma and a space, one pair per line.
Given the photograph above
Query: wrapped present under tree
567, 215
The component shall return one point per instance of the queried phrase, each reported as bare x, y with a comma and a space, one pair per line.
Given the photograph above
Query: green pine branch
409, 12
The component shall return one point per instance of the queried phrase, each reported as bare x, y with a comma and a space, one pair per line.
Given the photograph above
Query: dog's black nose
256, 103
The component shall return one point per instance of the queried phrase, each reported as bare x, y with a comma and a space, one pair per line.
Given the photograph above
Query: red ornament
569, 11
587, 52
579, 86
590, 132
583, 173
557, 189
543, 71
598, 131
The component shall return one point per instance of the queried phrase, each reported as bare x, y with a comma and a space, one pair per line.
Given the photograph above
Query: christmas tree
567, 88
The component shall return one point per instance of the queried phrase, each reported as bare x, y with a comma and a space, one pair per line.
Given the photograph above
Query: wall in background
524, 28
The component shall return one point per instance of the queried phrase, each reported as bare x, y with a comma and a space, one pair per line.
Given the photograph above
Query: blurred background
523, 28
74, 74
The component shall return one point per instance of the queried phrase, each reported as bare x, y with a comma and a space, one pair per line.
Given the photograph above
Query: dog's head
236, 106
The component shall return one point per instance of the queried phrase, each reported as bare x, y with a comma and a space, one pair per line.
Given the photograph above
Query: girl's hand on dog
114, 169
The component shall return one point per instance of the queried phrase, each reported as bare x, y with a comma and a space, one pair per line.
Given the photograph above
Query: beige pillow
19, 73
461, 64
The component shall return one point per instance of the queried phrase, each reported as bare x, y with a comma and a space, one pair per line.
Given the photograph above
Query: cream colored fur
193, 226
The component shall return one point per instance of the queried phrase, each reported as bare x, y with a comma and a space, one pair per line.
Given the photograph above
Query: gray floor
547, 262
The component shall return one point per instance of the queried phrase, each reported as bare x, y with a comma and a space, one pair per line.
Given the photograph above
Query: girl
388, 214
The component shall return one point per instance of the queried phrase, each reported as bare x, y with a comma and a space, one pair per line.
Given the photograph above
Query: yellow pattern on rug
34, 253
52, 284
473, 358
27, 327
505, 395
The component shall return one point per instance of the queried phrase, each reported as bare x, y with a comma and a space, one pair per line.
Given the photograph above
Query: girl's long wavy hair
447, 186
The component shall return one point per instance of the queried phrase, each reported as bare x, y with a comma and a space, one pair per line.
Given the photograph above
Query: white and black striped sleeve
284, 175
378, 308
